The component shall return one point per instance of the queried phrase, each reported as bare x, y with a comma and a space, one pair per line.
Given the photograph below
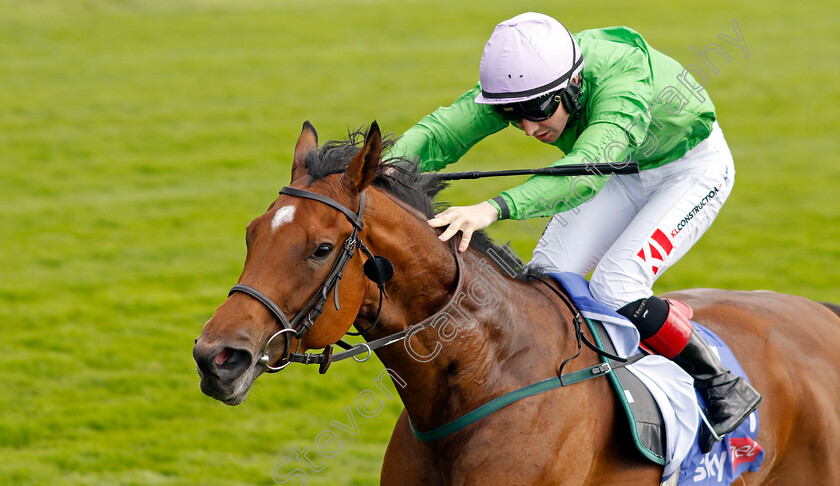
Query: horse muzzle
226, 372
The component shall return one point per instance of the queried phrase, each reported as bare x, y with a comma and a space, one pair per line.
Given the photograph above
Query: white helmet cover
526, 57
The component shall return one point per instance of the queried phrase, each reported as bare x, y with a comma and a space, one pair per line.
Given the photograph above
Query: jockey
602, 95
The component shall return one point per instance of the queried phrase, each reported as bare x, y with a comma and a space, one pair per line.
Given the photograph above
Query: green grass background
139, 137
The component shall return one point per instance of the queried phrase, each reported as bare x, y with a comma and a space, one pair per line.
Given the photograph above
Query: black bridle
378, 268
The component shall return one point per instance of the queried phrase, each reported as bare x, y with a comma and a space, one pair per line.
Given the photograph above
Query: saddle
647, 426
736, 453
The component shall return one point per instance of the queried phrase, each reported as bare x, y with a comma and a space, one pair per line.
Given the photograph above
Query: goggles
537, 109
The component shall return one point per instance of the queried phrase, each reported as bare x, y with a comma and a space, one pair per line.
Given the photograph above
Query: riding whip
561, 170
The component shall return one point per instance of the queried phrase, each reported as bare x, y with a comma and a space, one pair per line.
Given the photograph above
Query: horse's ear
363, 167
307, 141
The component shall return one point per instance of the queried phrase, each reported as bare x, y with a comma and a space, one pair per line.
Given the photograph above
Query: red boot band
672, 337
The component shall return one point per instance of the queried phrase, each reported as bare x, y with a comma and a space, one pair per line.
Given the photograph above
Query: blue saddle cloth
736, 453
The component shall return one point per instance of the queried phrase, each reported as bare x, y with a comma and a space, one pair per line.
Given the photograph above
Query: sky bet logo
741, 450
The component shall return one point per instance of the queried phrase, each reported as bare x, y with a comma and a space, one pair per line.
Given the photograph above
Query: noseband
305, 318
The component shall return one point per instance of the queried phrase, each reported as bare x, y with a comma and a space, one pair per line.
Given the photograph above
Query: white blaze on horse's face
282, 216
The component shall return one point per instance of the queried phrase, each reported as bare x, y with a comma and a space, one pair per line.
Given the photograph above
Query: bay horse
510, 332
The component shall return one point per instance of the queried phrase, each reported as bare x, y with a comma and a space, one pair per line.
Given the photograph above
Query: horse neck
492, 335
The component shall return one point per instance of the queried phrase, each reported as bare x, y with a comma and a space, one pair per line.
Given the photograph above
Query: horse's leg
407, 461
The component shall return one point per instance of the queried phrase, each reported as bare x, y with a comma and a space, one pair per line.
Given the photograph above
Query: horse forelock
397, 176
401, 178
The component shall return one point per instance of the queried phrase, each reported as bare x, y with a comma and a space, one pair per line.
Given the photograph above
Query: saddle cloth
661, 403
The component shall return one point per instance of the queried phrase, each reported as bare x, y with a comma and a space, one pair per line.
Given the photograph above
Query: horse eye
323, 250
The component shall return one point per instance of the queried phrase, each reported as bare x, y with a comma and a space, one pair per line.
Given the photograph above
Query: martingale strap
498, 403
609, 363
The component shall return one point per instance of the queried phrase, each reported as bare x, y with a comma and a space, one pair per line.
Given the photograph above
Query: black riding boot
665, 328
729, 398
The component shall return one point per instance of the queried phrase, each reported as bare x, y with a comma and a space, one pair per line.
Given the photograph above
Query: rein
580, 337
368, 347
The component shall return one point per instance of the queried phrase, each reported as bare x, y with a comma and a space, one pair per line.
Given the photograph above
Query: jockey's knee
615, 288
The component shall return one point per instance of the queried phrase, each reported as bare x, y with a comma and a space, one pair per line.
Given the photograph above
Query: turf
138, 138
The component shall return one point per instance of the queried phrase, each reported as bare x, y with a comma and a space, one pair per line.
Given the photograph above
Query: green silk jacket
637, 104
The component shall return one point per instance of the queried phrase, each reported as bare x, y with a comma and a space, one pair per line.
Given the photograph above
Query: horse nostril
223, 356
232, 362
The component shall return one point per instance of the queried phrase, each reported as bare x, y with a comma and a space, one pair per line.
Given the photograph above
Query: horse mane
401, 178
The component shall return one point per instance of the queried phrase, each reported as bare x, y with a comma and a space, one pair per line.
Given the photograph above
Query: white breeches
639, 225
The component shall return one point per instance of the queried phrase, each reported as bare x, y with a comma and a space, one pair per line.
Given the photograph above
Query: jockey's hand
466, 219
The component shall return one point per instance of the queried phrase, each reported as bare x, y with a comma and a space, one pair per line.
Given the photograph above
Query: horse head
298, 254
